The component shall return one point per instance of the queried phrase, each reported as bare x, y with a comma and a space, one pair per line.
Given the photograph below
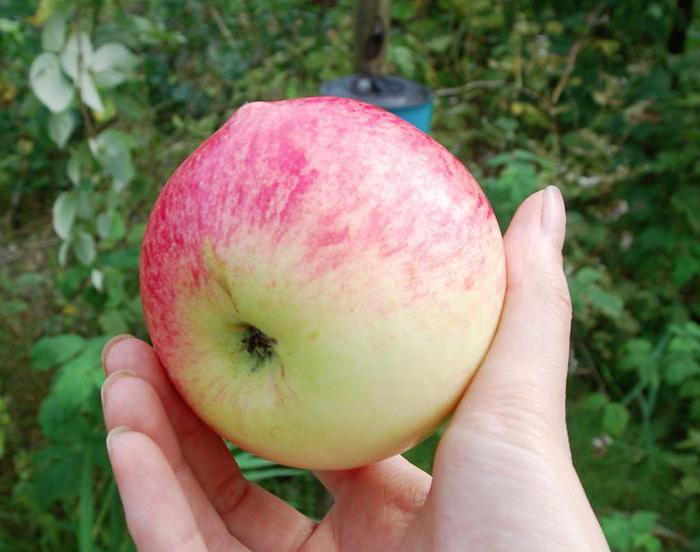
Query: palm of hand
503, 478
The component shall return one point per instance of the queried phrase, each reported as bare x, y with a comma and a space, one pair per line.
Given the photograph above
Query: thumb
522, 380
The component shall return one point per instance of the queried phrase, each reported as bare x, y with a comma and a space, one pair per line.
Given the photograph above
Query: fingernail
115, 375
552, 210
116, 339
115, 431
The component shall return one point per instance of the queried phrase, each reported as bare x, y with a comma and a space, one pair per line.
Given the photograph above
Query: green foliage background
101, 99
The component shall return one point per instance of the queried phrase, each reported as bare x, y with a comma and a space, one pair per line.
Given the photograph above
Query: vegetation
102, 99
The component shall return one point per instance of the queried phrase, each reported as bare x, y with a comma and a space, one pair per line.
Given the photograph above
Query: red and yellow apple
321, 280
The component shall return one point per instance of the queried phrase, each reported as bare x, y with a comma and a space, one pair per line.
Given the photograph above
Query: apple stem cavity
258, 345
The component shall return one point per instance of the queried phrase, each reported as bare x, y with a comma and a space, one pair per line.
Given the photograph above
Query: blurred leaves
65, 209
259, 469
50, 352
112, 63
632, 533
53, 33
61, 126
112, 149
589, 290
615, 419
49, 83
4, 425
77, 55
84, 247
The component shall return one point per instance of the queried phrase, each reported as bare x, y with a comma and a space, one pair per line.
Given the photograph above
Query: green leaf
111, 225
113, 55
440, 43
136, 233
617, 532
637, 356
76, 55
53, 33
112, 322
248, 461
615, 419
86, 207
84, 247
97, 278
61, 126
643, 522
103, 223
63, 253
647, 542
595, 402
606, 302
73, 167
684, 342
115, 286
631, 533
517, 180
76, 382
271, 473
52, 351
519, 157
117, 229
259, 469
685, 269
634, 350
682, 358
423, 454
12, 307
89, 93
112, 63
29, 280
56, 474
49, 84
9, 26
586, 290
403, 58
112, 150
65, 209
86, 508
680, 368
587, 275
126, 259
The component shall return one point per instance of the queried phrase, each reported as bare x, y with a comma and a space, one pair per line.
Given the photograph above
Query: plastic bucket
408, 99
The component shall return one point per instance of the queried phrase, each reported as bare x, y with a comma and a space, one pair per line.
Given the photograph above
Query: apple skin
321, 280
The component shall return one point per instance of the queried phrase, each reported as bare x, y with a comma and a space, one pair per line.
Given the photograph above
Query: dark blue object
407, 99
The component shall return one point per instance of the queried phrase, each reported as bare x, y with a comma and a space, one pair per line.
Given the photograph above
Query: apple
321, 280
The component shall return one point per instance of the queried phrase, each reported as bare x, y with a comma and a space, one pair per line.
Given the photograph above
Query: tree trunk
371, 35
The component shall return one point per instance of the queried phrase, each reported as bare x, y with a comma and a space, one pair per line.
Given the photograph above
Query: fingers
147, 483
373, 505
130, 401
523, 377
382, 476
257, 518
202, 449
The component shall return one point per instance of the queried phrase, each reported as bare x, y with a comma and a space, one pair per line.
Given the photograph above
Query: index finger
256, 517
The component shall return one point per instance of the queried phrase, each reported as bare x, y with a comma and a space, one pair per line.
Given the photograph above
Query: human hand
503, 476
